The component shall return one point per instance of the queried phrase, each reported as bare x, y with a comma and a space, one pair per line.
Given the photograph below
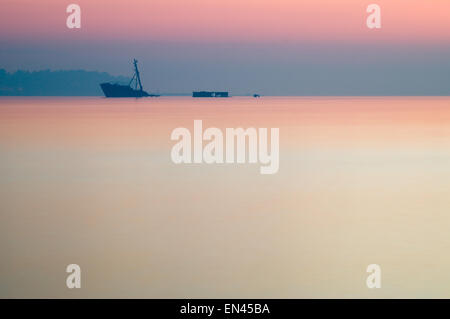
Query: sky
283, 47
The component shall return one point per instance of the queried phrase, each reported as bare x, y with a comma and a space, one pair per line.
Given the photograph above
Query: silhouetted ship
209, 94
133, 89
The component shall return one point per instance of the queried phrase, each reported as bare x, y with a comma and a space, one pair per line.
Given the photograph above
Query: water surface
90, 181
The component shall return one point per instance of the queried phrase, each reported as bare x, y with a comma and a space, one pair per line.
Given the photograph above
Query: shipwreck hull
117, 90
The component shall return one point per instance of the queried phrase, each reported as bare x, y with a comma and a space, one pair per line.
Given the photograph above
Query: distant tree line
55, 83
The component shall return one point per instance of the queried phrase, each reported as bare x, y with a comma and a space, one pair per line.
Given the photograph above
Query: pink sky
323, 21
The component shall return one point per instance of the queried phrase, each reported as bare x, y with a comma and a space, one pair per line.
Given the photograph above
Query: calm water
90, 181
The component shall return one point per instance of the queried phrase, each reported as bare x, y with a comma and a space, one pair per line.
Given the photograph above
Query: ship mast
136, 73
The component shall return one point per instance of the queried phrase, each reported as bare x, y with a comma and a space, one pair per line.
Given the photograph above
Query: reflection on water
90, 181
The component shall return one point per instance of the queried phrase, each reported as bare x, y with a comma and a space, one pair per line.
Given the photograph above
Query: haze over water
90, 181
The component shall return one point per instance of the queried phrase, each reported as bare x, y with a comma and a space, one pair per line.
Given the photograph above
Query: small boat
133, 89
209, 94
